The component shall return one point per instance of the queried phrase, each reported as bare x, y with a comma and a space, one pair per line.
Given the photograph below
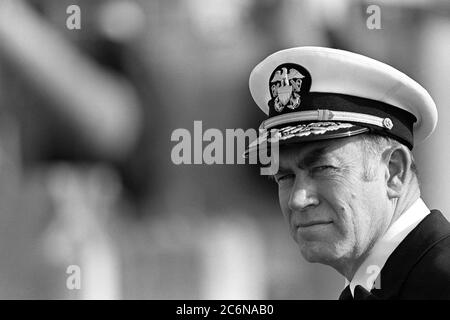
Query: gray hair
373, 146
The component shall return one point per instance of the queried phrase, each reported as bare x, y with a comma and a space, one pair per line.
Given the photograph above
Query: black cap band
402, 120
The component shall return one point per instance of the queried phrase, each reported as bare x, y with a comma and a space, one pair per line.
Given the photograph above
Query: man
348, 188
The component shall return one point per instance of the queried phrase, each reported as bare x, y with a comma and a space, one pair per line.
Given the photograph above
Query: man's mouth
312, 223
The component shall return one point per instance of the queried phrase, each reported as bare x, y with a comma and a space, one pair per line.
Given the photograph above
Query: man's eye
319, 169
284, 177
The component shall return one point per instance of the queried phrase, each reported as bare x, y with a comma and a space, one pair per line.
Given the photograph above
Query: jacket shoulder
430, 276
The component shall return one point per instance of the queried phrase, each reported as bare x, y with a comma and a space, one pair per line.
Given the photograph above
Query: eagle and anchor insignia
287, 83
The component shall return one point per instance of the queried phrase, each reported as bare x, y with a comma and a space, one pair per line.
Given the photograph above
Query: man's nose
303, 195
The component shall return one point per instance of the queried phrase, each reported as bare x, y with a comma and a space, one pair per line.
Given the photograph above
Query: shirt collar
369, 270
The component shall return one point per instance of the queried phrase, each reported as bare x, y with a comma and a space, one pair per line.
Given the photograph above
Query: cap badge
287, 83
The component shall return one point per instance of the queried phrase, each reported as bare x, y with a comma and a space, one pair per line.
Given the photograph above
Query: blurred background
86, 116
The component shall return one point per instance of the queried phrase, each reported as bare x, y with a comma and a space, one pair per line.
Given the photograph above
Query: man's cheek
339, 203
284, 194
342, 182
284, 204
340, 194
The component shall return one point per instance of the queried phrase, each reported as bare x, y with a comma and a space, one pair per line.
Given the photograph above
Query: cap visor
301, 133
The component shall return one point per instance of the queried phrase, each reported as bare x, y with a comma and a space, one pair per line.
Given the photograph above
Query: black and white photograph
234, 151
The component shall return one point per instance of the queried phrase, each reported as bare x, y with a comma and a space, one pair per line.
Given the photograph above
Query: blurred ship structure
86, 118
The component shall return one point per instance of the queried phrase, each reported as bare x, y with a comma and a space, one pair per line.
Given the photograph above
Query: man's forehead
316, 149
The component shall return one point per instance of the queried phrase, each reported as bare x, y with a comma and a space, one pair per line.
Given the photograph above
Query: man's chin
317, 253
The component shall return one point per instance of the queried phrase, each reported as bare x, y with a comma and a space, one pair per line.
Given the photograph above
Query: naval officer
348, 189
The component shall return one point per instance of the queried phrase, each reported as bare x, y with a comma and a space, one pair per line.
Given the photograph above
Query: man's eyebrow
313, 157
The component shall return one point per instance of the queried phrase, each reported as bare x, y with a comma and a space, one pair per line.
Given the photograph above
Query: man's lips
312, 223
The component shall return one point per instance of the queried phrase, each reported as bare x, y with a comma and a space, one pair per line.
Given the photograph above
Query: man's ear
398, 161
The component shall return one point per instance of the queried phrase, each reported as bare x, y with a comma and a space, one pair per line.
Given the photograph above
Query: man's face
335, 214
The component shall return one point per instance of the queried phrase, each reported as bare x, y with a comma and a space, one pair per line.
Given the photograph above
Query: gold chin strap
327, 115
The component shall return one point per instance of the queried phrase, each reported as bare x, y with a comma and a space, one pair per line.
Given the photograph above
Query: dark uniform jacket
419, 268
